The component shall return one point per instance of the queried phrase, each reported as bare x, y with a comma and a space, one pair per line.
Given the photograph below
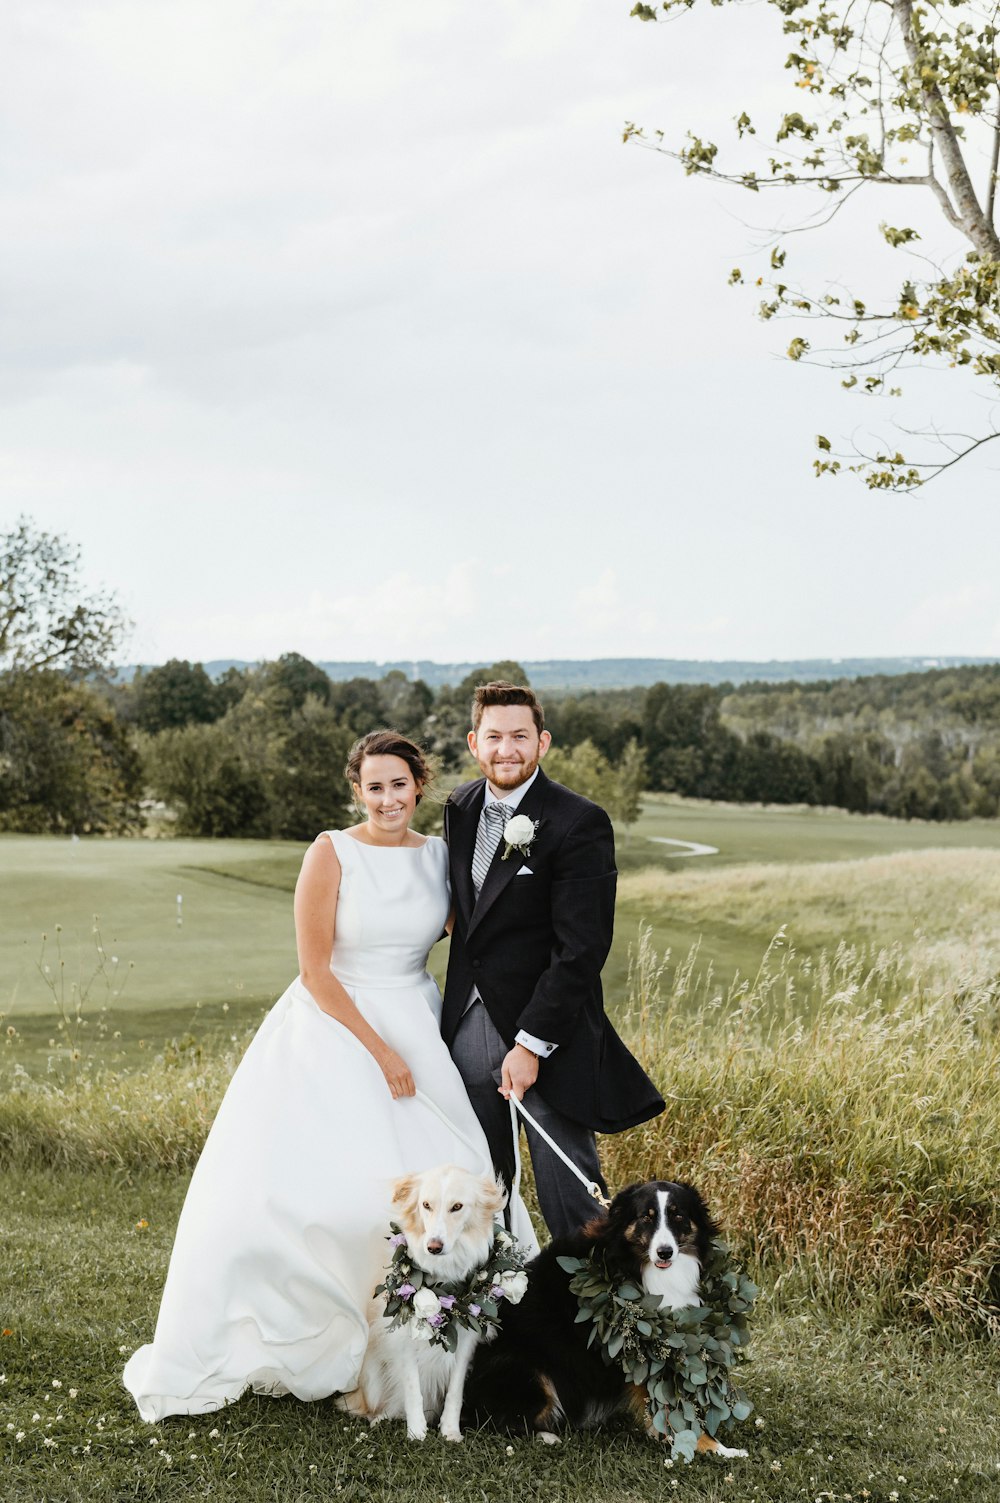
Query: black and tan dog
539, 1373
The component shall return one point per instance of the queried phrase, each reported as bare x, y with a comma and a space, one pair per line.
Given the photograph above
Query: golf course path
691, 847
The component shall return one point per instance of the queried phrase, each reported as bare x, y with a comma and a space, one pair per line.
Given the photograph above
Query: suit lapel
502, 872
463, 821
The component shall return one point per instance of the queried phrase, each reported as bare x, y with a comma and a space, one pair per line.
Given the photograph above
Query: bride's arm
315, 919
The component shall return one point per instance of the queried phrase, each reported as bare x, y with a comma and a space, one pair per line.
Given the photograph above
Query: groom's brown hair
499, 692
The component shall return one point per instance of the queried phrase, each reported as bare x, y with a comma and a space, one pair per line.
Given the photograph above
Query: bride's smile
388, 794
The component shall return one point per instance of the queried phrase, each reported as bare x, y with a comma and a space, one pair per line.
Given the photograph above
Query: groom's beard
509, 775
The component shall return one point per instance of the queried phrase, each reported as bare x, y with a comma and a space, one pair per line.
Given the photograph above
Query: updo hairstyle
389, 744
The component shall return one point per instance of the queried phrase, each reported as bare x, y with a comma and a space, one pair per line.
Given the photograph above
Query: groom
534, 912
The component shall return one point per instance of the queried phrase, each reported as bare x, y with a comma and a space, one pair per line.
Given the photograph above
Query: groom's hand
518, 1072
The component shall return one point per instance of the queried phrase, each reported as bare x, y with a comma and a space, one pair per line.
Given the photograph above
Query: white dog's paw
417, 1432
547, 1438
452, 1432
728, 1451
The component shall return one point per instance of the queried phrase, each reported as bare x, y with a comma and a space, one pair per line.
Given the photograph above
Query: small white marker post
180, 915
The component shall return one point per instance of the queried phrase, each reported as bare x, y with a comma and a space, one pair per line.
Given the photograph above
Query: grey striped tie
488, 837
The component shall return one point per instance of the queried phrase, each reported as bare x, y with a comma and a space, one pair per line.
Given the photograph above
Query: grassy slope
236, 944
848, 1409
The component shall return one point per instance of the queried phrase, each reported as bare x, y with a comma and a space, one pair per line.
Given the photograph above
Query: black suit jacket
534, 946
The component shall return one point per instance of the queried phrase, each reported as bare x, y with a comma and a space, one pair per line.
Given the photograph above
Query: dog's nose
664, 1253
435, 1245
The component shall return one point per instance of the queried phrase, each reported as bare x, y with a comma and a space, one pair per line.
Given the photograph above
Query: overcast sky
354, 330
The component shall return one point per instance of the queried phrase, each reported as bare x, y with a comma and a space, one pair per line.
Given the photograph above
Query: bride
346, 1086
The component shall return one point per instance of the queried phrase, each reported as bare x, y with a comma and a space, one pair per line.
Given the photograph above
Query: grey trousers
479, 1051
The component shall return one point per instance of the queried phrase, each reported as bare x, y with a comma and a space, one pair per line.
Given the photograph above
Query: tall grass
842, 1118
840, 1115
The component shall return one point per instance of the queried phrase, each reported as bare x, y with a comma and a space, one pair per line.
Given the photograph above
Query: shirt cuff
537, 1046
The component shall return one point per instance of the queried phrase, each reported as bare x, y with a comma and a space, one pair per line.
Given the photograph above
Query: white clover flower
213, 1434
50, 1442
509, 1450
73, 1392
759, 1422
19, 1435
10, 1425
426, 1302
153, 1441
56, 1383
35, 1418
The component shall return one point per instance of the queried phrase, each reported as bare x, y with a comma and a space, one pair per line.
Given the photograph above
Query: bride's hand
397, 1074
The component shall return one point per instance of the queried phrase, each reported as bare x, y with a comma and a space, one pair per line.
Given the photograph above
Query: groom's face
507, 746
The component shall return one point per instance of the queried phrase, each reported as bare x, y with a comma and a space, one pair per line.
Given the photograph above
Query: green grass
839, 1110
236, 944
848, 1406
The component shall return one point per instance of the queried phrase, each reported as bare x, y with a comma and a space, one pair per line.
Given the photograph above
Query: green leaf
686, 1444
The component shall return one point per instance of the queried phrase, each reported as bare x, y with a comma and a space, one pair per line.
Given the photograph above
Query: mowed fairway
824, 876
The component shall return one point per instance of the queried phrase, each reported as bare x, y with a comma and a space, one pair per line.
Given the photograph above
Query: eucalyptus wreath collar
436, 1310
682, 1357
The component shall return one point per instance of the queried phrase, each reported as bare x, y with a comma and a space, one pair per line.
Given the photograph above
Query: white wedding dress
282, 1236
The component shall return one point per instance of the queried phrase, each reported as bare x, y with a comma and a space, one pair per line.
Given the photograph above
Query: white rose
426, 1302
519, 831
420, 1330
514, 1285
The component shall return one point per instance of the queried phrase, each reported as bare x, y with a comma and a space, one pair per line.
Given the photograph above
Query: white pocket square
524, 871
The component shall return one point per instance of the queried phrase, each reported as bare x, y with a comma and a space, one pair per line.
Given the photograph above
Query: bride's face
388, 793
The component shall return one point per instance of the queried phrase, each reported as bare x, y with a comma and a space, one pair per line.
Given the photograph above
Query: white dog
447, 1215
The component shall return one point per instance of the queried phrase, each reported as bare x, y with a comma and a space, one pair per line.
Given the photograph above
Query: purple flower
405, 1290
446, 1301
475, 1309
496, 1292
436, 1320
399, 1240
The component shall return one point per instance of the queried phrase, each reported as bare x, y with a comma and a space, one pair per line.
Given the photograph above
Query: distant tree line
260, 751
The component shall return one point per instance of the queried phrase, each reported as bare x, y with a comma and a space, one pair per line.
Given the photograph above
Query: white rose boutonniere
518, 834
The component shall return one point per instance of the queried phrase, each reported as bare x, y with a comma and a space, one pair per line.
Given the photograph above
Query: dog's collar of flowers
519, 835
681, 1357
436, 1310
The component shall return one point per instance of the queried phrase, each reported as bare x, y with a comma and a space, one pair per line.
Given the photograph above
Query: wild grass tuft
842, 1118
840, 1114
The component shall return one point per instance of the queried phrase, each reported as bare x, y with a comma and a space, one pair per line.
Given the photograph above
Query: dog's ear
405, 1189
698, 1210
494, 1194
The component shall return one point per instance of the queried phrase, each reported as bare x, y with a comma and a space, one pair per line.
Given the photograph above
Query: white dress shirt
510, 802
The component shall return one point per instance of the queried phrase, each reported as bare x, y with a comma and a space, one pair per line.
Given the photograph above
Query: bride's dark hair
389, 744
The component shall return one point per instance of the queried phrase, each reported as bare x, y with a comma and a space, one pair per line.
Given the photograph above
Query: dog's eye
426, 1205
457, 1206
650, 1214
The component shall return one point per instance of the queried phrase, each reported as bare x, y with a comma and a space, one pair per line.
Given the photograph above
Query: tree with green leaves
896, 96
67, 764
174, 694
585, 770
627, 786
47, 618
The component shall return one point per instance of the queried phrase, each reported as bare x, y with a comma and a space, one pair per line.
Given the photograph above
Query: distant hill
624, 673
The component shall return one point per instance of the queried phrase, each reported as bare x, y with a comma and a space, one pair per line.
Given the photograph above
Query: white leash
590, 1185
